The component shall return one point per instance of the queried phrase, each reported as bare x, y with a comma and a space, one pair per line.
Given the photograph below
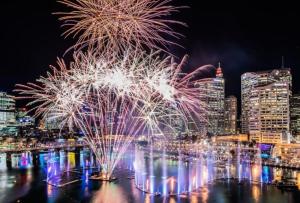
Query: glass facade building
212, 97
295, 116
230, 115
8, 125
7, 109
265, 99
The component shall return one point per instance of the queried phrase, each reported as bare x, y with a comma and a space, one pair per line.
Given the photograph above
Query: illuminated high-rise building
230, 115
265, 105
295, 115
7, 109
213, 95
7, 114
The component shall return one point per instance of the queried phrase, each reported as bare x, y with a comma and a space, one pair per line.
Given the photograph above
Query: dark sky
245, 36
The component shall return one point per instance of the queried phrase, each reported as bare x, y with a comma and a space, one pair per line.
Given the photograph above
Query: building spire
219, 72
282, 62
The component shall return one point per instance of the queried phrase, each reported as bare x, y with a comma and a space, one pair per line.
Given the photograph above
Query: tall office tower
212, 97
230, 115
265, 105
8, 125
295, 115
7, 109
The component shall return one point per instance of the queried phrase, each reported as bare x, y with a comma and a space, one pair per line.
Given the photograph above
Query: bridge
42, 148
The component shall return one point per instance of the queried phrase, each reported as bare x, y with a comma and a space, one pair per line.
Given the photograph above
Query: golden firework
119, 24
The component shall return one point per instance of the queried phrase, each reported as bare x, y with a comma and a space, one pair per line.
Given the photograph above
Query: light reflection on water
23, 177
13, 186
256, 192
110, 192
21, 161
3, 166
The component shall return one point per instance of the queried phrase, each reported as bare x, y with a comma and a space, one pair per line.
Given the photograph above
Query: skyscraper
7, 109
295, 116
230, 115
212, 96
7, 114
265, 105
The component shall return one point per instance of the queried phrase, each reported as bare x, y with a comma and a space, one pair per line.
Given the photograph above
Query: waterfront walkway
41, 148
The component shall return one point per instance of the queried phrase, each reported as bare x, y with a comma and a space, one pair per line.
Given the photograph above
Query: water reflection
204, 195
21, 161
21, 176
256, 192
180, 174
15, 185
71, 160
3, 165
110, 192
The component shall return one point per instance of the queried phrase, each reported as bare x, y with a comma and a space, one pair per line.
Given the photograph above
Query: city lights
114, 100
126, 116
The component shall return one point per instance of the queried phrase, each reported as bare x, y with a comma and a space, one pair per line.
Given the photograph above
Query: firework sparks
119, 24
116, 92
114, 100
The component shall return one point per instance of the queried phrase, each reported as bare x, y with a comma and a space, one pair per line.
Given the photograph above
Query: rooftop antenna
282, 61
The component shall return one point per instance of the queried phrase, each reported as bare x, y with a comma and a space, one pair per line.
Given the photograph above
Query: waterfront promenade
42, 148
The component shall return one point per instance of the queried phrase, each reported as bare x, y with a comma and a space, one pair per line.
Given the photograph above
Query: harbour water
36, 177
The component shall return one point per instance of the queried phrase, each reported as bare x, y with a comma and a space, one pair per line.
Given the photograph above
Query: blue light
265, 174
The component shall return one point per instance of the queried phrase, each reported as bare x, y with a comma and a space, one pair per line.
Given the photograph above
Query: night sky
243, 37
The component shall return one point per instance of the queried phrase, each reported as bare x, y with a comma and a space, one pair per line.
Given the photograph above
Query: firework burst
118, 24
114, 100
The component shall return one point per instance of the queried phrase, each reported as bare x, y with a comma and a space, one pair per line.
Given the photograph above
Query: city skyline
215, 32
149, 101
